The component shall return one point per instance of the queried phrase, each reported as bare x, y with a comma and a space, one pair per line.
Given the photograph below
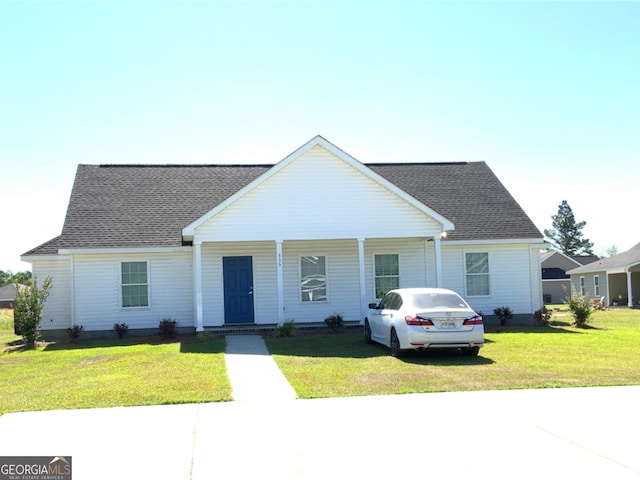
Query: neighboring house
317, 233
7, 295
616, 278
556, 283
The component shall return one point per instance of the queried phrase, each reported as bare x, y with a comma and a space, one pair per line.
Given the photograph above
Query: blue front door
238, 289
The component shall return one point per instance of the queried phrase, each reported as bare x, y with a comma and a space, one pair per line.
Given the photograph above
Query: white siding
343, 288
57, 312
510, 277
318, 196
97, 291
97, 281
416, 269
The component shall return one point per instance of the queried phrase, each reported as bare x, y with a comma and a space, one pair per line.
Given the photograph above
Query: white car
424, 318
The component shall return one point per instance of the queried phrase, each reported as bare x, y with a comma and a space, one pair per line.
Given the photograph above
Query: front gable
318, 192
560, 261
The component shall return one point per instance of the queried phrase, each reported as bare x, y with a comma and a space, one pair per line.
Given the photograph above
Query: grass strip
513, 357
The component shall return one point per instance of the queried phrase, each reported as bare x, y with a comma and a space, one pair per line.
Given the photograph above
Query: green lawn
110, 373
514, 357
146, 371
6, 327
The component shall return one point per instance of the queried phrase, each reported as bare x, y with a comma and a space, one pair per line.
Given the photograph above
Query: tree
8, 277
27, 310
610, 251
567, 233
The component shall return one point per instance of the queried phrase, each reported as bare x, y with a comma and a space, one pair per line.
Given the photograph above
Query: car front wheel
394, 344
367, 332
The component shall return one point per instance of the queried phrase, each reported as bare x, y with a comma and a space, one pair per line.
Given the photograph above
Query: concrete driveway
531, 434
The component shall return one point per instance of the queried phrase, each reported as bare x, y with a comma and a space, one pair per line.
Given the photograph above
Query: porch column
363, 282
629, 290
197, 284
280, 282
438, 261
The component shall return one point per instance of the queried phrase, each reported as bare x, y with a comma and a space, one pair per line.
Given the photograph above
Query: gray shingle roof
468, 194
8, 292
149, 205
620, 261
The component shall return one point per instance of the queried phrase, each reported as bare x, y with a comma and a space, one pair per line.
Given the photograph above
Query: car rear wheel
394, 344
367, 332
473, 351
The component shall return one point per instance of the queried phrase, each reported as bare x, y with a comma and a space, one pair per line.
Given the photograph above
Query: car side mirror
373, 305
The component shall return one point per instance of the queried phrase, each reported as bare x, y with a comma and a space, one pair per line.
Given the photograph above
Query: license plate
447, 324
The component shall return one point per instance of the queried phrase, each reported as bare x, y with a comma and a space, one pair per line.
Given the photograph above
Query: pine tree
567, 233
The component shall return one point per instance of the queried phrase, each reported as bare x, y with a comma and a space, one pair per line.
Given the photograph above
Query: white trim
121, 251
534, 242
437, 246
326, 279
596, 286
189, 230
466, 274
629, 290
374, 276
197, 285
72, 293
43, 258
363, 280
148, 284
280, 282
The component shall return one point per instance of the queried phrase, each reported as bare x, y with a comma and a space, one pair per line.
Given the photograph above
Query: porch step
252, 329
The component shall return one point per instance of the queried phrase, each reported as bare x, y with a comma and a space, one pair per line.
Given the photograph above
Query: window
596, 285
391, 301
477, 273
583, 289
313, 279
387, 273
135, 284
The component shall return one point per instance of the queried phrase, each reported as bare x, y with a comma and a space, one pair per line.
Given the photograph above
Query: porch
270, 329
279, 280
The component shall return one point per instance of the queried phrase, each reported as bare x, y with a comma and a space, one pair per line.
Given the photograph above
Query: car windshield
438, 300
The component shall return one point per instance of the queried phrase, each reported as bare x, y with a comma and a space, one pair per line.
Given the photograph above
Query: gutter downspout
197, 284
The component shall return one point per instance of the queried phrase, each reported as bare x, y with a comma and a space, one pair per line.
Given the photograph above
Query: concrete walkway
573, 433
253, 373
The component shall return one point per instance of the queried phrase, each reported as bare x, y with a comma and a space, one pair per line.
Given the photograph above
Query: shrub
581, 309
334, 321
287, 329
121, 329
167, 328
205, 336
27, 310
75, 332
504, 314
543, 316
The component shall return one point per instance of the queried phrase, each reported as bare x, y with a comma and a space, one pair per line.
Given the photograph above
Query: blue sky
548, 94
